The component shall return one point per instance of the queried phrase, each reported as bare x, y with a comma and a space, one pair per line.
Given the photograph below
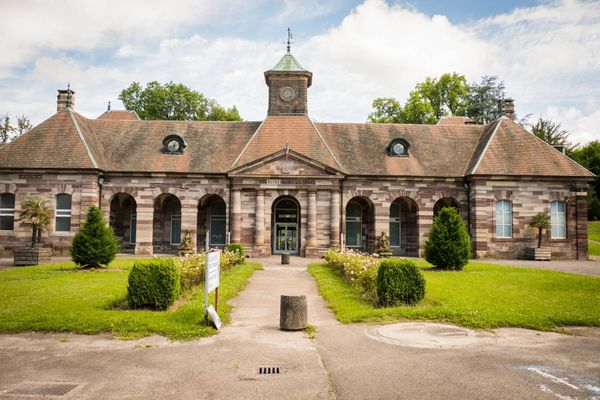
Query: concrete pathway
356, 361
587, 267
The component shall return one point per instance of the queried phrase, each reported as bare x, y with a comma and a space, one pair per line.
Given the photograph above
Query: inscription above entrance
288, 181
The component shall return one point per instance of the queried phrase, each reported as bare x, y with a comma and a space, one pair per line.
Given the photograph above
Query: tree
23, 125
589, 156
36, 213
6, 129
386, 110
174, 101
551, 133
95, 243
448, 245
540, 221
483, 99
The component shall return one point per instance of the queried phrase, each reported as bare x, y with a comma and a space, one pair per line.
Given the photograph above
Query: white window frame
63, 213
9, 212
503, 218
355, 220
556, 218
175, 217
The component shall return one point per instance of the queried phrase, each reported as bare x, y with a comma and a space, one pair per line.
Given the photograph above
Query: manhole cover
42, 389
423, 335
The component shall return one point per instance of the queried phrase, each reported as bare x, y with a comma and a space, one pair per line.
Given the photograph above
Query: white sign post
213, 271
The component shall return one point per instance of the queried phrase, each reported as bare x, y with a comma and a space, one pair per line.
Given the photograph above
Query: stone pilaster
189, 220
582, 224
259, 225
236, 216
311, 231
144, 224
335, 219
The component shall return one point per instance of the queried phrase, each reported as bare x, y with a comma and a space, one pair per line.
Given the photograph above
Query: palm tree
36, 213
540, 221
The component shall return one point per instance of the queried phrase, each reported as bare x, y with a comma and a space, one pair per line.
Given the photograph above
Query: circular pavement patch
423, 335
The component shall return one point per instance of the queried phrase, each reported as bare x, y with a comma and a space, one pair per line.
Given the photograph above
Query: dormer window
174, 144
398, 148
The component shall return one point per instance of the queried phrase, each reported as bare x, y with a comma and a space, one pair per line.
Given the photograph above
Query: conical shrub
95, 243
448, 245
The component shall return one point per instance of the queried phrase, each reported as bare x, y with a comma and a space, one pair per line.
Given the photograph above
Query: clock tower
288, 86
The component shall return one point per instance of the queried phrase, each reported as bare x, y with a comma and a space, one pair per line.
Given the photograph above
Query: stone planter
32, 255
538, 254
293, 314
285, 258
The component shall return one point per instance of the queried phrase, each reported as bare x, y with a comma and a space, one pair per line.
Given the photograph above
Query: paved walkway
591, 267
344, 361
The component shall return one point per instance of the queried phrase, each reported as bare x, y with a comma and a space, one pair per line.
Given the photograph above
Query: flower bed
360, 269
193, 267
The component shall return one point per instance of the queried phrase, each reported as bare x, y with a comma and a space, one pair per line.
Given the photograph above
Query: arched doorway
166, 224
446, 202
286, 226
123, 220
404, 233
360, 224
212, 217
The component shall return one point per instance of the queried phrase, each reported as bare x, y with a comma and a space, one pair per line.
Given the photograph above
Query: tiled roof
455, 121
297, 131
511, 150
120, 115
69, 140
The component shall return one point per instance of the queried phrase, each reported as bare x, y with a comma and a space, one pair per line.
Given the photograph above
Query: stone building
289, 184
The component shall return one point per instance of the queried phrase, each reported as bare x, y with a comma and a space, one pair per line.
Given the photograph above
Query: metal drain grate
43, 389
269, 370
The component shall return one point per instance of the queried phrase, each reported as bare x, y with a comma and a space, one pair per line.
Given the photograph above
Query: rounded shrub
399, 282
237, 248
95, 243
153, 283
448, 245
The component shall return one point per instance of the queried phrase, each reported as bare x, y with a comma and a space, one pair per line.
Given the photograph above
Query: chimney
507, 108
65, 99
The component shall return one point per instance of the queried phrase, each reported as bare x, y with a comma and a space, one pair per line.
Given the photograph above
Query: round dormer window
174, 144
398, 148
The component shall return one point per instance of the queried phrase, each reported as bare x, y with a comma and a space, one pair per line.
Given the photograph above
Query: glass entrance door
286, 238
285, 227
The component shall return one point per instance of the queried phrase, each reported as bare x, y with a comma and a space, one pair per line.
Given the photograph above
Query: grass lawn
593, 249
481, 296
60, 298
594, 230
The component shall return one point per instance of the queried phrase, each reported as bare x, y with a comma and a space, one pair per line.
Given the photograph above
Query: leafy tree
95, 243
6, 129
482, 105
23, 125
589, 156
540, 221
448, 245
418, 110
36, 213
174, 101
551, 133
386, 110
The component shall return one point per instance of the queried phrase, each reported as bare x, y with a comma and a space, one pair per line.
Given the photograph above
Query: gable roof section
55, 143
511, 150
297, 131
435, 150
120, 115
294, 165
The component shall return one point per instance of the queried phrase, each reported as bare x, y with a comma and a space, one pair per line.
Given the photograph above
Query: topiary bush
237, 248
95, 243
448, 245
399, 282
153, 283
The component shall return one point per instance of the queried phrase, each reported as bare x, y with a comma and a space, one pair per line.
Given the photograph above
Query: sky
547, 52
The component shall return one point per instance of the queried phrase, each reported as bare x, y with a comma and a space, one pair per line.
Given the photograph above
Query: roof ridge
487, 145
248, 143
82, 138
325, 143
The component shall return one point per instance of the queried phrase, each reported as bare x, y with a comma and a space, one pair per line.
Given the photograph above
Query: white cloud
583, 127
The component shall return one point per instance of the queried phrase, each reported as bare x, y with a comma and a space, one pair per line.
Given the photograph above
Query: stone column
259, 224
144, 224
335, 219
236, 216
311, 225
189, 220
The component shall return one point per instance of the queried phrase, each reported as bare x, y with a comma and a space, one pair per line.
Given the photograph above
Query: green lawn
594, 230
593, 249
60, 298
481, 296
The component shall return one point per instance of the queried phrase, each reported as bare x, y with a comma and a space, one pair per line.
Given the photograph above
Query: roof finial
289, 40
108, 106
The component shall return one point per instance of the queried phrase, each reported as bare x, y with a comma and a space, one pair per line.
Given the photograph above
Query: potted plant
36, 213
540, 221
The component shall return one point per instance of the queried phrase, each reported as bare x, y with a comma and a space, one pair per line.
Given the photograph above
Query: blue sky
547, 52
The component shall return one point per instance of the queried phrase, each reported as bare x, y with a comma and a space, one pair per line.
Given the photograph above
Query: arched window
558, 220
217, 222
395, 225
503, 219
176, 223
7, 212
353, 225
63, 212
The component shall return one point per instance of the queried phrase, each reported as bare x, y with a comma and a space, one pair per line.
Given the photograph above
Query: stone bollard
285, 258
292, 313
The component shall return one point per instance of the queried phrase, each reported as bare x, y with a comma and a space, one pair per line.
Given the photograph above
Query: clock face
287, 93
173, 146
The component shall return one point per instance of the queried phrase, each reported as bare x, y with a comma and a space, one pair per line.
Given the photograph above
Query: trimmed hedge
237, 248
448, 245
399, 281
153, 283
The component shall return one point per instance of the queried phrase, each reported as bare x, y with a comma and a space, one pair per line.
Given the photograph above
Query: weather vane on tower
289, 40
